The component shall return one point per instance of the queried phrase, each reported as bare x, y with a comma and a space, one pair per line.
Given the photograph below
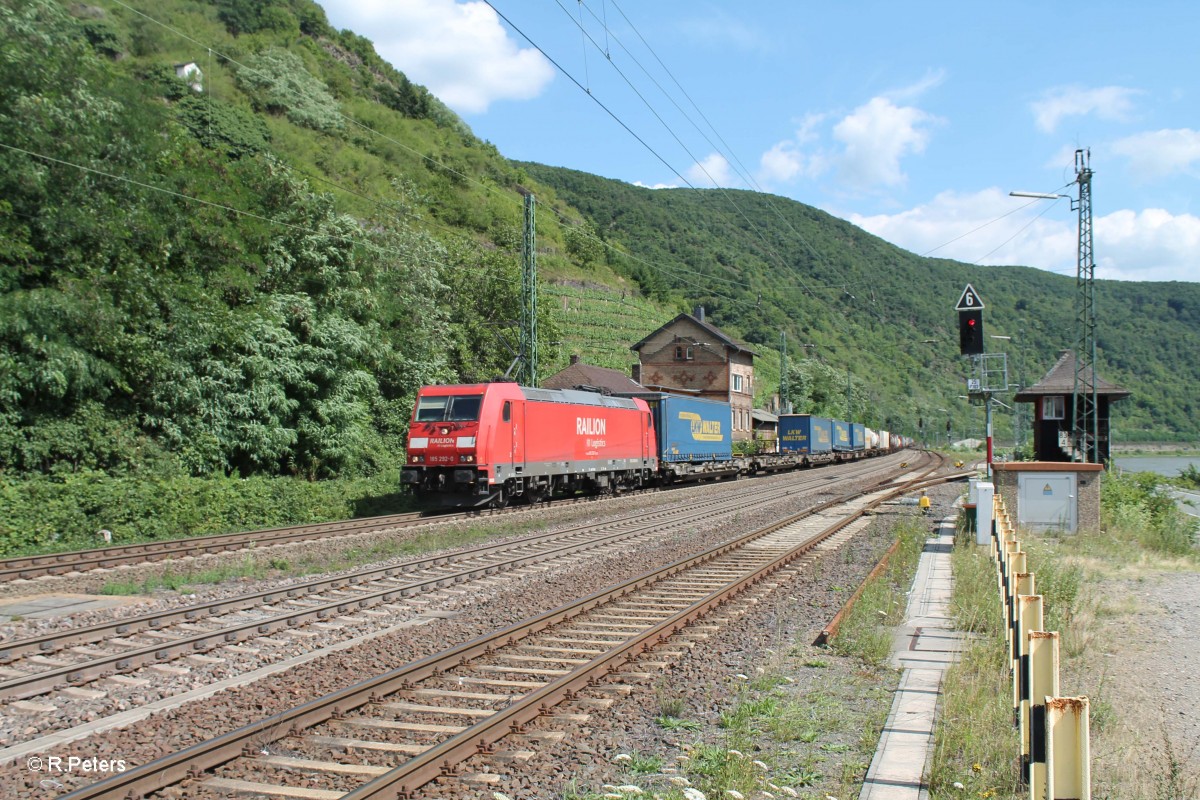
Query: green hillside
252, 275
763, 264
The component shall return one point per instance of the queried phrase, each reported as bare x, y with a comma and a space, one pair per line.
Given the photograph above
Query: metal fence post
1043, 683
1068, 749
1029, 618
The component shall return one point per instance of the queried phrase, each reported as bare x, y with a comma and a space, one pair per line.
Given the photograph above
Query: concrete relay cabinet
1051, 496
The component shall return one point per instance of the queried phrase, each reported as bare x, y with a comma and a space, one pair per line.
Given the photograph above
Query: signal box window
737, 383
683, 354
451, 408
1053, 407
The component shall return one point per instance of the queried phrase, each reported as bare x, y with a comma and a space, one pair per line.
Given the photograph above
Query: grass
257, 566
866, 631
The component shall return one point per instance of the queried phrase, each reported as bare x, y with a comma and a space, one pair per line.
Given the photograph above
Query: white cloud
655, 186
1148, 245
1156, 154
712, 170
1106, 102
460, 51
978, 227
790, 159
933, 78
876, 135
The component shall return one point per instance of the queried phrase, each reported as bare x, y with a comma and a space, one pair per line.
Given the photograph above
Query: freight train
488, 444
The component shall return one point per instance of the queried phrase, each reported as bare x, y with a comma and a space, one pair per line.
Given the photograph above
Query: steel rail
195, 759
43, 681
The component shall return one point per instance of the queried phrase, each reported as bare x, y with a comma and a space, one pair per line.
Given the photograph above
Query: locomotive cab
443, 442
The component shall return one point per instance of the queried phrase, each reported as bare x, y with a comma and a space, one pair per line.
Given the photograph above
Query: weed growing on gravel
642, 764
715, 770
257, 567
669, 703
249, 567
677, 724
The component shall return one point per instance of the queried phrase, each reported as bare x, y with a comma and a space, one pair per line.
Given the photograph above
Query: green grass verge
256, 566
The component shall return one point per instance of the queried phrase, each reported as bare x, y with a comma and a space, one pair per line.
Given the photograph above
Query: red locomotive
488, 443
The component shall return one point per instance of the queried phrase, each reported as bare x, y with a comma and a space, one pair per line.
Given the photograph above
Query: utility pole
784, 408
849, 416
1087, 418
527, 349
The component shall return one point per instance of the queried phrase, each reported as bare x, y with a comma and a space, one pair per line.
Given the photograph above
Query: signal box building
1054, 413
690, 356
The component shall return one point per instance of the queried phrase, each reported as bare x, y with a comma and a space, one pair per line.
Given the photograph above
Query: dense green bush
65, 513
1137, 504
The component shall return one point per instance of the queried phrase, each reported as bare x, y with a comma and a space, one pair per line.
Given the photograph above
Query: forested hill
233, 240
762, 264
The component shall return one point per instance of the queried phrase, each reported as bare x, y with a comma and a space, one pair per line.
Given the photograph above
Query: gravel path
1143, 666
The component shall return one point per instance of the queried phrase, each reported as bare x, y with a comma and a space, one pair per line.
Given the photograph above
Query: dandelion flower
977, 767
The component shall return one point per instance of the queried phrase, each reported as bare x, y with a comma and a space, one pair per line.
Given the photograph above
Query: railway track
47, 564
435, 714
74, 657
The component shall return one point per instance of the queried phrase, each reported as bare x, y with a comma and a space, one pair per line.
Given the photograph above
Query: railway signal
970, 322
970, 332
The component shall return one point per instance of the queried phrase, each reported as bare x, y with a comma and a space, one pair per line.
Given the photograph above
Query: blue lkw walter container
690, 429
858, 436
841, 437
805, 434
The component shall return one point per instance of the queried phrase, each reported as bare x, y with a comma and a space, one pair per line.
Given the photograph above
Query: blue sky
912, 120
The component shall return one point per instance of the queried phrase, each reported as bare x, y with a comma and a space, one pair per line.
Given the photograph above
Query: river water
1163, 465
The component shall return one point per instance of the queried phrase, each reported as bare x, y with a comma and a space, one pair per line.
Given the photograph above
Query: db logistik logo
58, 765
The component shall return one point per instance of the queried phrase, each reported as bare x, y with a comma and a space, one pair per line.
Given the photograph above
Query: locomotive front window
449, 408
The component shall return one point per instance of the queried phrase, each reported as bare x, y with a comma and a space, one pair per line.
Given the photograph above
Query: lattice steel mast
1087, 419
527, 347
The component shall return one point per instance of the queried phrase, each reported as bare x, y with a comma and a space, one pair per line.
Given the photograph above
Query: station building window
1053, 406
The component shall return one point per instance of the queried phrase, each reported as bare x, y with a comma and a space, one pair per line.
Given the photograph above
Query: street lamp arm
1040, 195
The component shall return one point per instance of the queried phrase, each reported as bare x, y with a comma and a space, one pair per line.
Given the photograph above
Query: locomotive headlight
466, 458
416, 459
